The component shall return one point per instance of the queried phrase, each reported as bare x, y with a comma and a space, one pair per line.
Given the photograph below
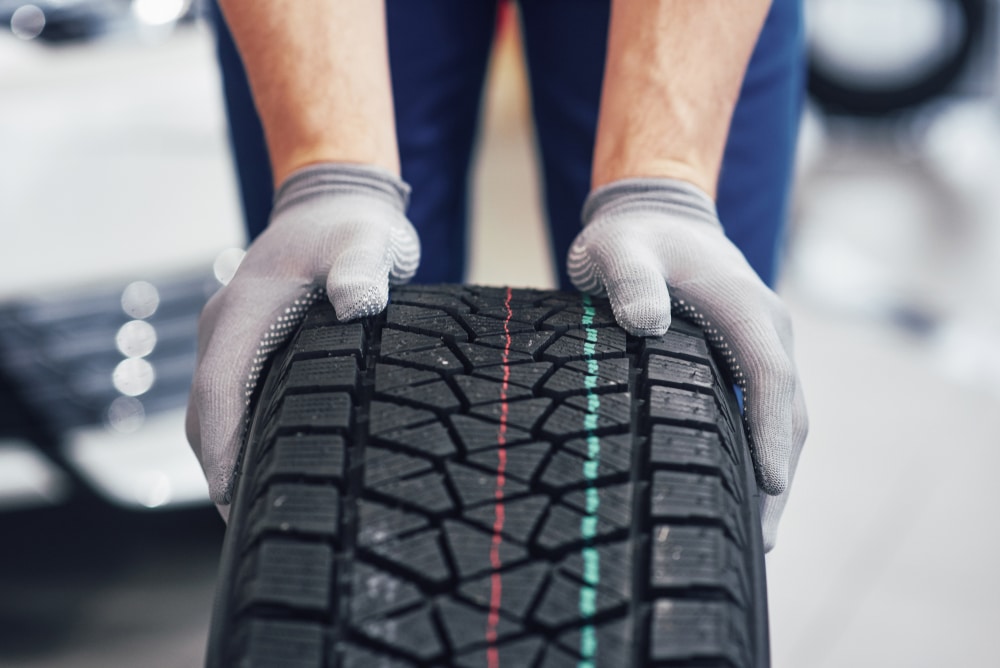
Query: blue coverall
438, 52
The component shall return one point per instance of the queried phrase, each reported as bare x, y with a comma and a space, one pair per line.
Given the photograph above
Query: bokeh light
27, 21
140, 299
133, 376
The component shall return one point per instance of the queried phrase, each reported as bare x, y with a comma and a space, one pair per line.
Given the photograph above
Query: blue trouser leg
438, 52
758, 164
253, 169
566, 42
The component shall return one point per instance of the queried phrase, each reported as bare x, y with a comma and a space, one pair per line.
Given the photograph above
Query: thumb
639, 298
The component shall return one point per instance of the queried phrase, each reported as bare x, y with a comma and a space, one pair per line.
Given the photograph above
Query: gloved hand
334, 226
650, 244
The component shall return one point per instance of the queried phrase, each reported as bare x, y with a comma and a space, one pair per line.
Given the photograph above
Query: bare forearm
671, 82
319, 73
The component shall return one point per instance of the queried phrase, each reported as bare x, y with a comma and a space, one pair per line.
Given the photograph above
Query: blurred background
120, 217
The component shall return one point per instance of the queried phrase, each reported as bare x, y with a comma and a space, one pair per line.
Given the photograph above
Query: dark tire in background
840, 92
492, 477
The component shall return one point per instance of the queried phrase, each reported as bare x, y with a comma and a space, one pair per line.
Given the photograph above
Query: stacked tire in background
492, 477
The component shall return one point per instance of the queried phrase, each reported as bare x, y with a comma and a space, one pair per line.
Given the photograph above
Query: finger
582, 270
358, 282
757, 331
206, 325
404, 250
639, 298
772, 507
256, 316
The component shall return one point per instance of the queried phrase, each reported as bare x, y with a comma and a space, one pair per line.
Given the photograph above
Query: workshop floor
114, 160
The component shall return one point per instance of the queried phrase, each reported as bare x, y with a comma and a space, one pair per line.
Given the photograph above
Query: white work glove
652, 243
334, 226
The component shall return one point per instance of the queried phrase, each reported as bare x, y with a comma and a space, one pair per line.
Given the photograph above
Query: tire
838, 92
492, 477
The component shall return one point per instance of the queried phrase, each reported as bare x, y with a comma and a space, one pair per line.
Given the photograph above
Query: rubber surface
492, 477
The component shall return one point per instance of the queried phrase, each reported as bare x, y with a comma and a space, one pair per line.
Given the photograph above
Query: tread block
671, 404
382, 465
572, 317
615, 567
418, 555
687, 496
524, 375
688, 556
679, 373
431, 439
336, 340
355, 656
533, 315
612, 409
569, 421
404, 314
523, 461
678, 343
307, 455
567, 381
520, 517
377, 593
615, 503
321, 410
615, 455
298, 508
427, 490
470, 549
389, 376
562, 528
612, 643
387, 417
559, 658
566, 469
439, 359
281, 572
520, 652
478, 434
682, 630
436, 395
479, 357
378, 523
443, 297
491, 327
411, 632
272, 643
475, 486
560, 603
323, 373
529, 342
397, 341
465, 625
483, 391
610, 343
442, 325
519, 588
524, 413
681, 447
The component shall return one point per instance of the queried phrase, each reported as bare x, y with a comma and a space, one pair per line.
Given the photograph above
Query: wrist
612, 165
333, 179
641, 196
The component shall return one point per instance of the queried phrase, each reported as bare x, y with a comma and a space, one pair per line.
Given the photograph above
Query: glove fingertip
360, 299
772, 483
643, 318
